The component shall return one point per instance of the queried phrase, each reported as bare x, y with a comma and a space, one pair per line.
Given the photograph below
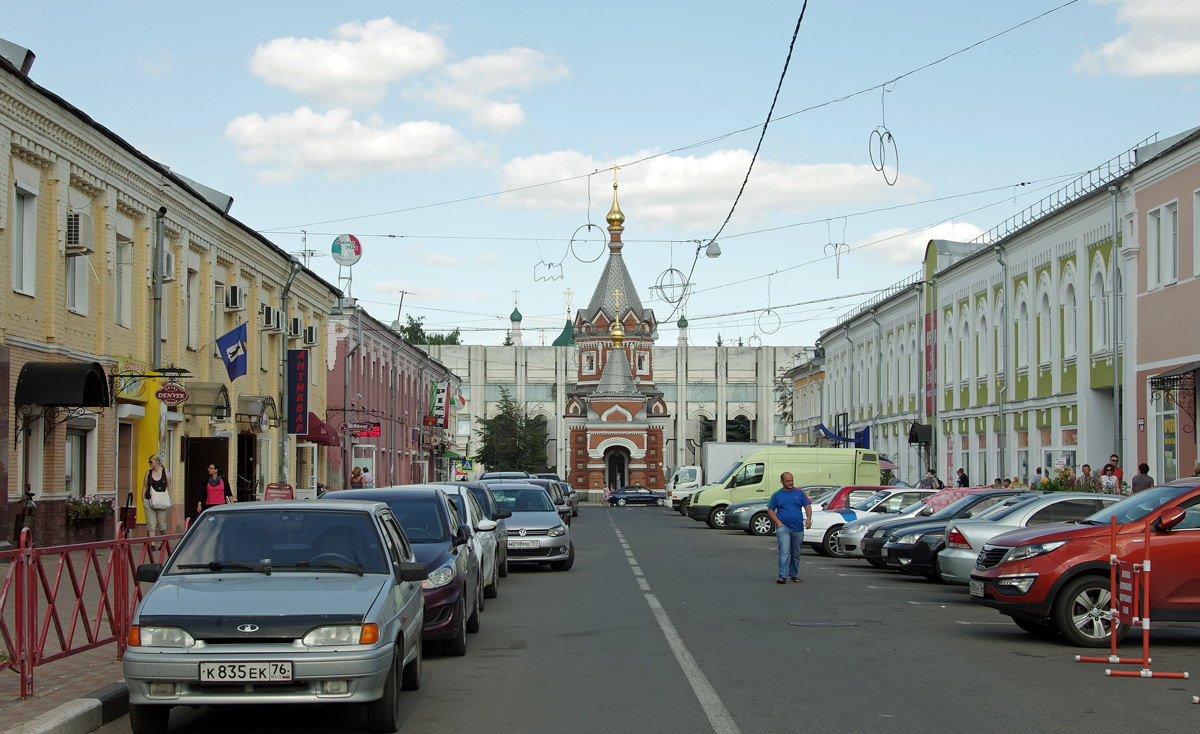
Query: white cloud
486, 258
354, 68
157, 65
1163, 38
694, 193
422, 292
470, 83
438, 260
900, 246
293, 143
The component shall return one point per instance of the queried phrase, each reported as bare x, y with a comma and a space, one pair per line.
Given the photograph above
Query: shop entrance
246, 483
198, 453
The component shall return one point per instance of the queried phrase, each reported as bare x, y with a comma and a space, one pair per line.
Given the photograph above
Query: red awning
319, 433
884, 464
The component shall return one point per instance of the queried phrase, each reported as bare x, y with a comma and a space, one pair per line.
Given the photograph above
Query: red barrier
92, 608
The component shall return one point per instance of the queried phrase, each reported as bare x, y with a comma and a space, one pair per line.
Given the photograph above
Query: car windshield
823, 497
729, 472
871, 501
268, 541
523, 500
999, 512
952, 511
1136, 507
422, 518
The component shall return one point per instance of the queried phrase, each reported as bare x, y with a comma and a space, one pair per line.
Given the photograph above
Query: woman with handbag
156, 497
216, 490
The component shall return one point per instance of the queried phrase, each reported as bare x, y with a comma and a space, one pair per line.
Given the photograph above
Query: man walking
791, 512
1116, 462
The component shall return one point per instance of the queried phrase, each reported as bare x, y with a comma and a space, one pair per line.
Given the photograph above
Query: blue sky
309, 112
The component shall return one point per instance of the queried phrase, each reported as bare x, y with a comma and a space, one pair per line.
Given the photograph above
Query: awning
207, 398
63, 385
830, 434
258, 410
1178, 384
451, 455
884, 464
1170, 379
319, 433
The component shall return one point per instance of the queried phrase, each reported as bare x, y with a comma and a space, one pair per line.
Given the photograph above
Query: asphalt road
685, 630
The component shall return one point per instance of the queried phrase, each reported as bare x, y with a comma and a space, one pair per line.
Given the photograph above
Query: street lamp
713, 250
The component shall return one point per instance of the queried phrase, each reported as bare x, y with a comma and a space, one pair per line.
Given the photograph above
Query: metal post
158, 284
346, 403
1118, 437
1004, 331
878, 370
294, 270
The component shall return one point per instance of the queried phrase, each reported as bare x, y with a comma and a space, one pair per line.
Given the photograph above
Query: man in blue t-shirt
791, 512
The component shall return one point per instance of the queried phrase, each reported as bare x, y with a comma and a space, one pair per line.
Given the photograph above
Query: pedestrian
929, 481
1143, 481
962, 480
368, 478
1117, 471
156, 498
1108, 480
1007, 483
1086, 476
996, 483
1195, 471
216, 490
356, 478
1039, 478
791, 511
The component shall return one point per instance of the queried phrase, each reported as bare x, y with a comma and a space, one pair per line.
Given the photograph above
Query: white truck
715, 458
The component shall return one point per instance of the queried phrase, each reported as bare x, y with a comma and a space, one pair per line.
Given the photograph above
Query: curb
83, 715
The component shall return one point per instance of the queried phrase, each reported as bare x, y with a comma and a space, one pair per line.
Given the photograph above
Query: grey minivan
279, 602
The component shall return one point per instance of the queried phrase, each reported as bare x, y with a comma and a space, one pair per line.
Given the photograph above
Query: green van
755, 476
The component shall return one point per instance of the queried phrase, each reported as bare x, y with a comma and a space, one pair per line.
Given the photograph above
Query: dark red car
1055, 578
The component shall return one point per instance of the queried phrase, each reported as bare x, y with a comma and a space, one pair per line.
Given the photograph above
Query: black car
491, 511
453, 592
914, 548
969, 506
636, 494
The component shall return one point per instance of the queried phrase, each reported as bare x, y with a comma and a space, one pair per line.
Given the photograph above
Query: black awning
63, 385
207, 398
1169, 380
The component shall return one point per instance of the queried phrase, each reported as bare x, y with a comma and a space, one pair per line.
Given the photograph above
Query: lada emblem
247, 628
521, 532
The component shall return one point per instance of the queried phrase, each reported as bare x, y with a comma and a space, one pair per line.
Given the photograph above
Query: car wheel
473, 620
1083, 612
761, 524
565, 565
935, 575
878, 563
458, 645
574, 512
1039, 629
492, 590
148, 718
683, 506
830, 544
411, 680
621, 502
383, 715
716, 518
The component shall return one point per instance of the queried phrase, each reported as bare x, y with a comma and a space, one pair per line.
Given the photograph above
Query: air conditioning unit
296, 329
168, 271
278, 320
267, 318
81, 234
310, 336
235, 298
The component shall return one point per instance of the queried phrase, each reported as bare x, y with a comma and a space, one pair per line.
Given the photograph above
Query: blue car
636, 494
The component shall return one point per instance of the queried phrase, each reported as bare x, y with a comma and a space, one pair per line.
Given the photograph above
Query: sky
469, 145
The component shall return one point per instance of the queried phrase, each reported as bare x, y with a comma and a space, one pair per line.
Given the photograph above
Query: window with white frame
1099, 314
1022, 335
463, 425
1163, 231
218, 318
1195, 233
951, 351
192, 300
123, 282
78, 270
24, 240
1069, 322
966, 360
983, 348
1044, 330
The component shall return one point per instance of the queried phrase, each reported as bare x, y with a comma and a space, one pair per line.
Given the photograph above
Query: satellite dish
346, 250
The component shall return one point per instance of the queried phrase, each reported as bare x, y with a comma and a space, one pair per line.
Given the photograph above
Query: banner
297, 391
232, 347
931, 364
441, 403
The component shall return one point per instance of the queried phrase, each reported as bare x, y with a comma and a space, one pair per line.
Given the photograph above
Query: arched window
1022, 335
1069, 322
912, 369
1044, 330
951, 349
966, 355
983, 347
901, 372
1099, 314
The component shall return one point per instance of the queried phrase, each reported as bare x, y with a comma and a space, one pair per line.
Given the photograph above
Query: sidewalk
57, 683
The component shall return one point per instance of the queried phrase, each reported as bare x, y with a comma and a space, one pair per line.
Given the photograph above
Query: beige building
78, 221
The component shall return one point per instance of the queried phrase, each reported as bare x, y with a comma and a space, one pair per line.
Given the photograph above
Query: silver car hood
282, 593
533, 521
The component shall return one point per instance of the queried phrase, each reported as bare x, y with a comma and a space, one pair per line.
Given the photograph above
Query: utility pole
293, 270
159, 248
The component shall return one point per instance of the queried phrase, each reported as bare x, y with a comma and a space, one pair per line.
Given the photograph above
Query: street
583, 651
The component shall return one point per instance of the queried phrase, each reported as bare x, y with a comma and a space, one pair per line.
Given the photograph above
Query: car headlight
738, 511
854, 528
879, 533
909, 539
1020, 582
557, 531
160, 637
342, 634
1023, 552
439, 577
933, 538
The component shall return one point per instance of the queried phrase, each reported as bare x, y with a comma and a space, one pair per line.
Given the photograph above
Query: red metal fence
78, 597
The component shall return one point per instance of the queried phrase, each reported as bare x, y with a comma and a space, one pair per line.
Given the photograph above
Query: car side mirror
1170, 517
927, 512
149, 572
485, 526
503, 514
462, 535
412, 571
880, 508
560, 502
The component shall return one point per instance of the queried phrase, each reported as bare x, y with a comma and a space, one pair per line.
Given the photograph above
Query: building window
702, 391
670, 393
1166, 440
1069, 322
464, 425
75, 459
1044, 340
465, 391
492, 392
123, 282
541, 392
1023, 335
741, 393
653, 452
1164, 244
24, 241
579, 438
1099, 314
193, 310
78, 271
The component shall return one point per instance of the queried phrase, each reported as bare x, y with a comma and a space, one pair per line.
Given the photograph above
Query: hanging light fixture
713, 249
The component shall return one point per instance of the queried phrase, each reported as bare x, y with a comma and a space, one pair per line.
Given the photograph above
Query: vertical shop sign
297, 391
931, 363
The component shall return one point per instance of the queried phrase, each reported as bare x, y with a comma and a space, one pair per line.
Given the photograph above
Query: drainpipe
293, 270
1000, 394
421, 389
878, 366
850, 387
346, 401
159, 234
392, 425
1118, 437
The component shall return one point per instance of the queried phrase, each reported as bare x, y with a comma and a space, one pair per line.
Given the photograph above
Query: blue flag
233, 351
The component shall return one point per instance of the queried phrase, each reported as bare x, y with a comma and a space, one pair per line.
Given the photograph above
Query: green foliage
414, 333
508, 342
80, 509
1066, 481
512, 440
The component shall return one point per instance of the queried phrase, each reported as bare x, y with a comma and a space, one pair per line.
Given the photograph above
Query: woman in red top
216, 490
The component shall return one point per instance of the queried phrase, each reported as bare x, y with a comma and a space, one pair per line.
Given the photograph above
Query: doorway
616, 468
198, 453
247, 467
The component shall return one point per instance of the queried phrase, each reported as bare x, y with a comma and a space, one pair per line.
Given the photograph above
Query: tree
414, 333
512, 440
720, 342
784, 401
508, 342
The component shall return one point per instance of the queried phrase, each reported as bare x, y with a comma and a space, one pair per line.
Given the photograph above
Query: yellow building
78, 226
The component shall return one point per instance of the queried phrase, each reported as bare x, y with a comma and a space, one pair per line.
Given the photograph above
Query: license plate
977, 588
266, 672
523, 544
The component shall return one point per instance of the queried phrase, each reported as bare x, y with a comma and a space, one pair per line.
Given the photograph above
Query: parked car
752, 518
965, 538
1055, 578
849, 538
485, 536
320, 598
636, 494
492, 512
506, 475
441, 539
548, 475
572, 497
826, 524
913, 545
536, 532
551, 487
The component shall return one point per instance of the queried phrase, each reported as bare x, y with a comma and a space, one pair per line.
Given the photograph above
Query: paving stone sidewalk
57, 683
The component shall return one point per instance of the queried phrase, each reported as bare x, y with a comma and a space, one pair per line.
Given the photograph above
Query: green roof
567, 337
515, 316
682, 322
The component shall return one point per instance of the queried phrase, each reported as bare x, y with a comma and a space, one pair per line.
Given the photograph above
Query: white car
484, 536
852, 534
826, 524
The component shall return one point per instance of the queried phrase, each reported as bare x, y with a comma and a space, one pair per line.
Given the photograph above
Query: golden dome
615, 217
617, 334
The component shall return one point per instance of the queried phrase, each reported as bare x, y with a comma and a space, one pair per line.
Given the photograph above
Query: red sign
172, 394
431, 420
360, 429
279, 492
297, 395
931, 363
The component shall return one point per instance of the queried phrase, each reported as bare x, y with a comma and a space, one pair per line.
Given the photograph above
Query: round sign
346, 250
172, 395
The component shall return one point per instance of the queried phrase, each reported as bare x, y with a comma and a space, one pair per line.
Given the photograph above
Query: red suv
1055, 578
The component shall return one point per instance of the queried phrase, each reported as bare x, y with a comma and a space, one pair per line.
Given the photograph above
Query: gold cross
614, 170
568, 293
617, 295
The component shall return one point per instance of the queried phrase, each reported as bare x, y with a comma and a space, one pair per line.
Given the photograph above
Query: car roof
408, 490
342, 503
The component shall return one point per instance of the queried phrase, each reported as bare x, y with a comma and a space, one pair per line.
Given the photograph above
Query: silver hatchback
281, 602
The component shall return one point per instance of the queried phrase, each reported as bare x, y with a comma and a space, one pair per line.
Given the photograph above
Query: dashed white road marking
642, 582
637, 571
628, 552
632, 561
1006, 624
